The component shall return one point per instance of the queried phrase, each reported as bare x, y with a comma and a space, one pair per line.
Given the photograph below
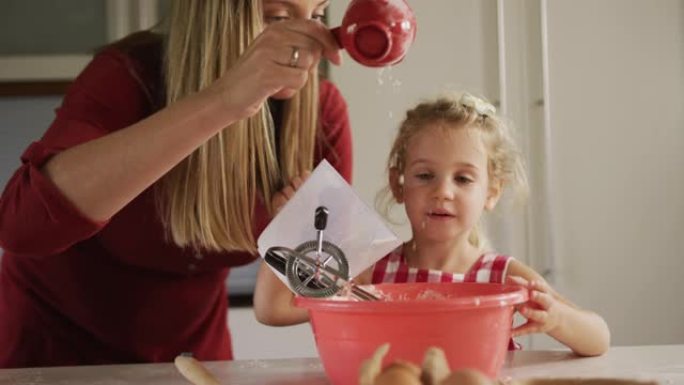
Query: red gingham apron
489, 268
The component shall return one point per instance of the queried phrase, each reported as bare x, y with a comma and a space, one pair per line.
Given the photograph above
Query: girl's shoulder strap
489, 268
385, 269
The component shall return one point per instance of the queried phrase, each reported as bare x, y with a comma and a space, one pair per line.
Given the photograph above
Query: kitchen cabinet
44, 44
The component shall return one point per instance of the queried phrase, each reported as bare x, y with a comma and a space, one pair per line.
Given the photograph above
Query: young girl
450, 162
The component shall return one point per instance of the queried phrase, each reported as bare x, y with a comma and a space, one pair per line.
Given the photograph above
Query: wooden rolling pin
194, 371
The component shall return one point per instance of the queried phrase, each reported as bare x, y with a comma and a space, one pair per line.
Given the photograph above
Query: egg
435, 366
371, 367
466, 377
399, 373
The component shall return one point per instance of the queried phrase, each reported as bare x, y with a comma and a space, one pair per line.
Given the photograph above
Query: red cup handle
338, 36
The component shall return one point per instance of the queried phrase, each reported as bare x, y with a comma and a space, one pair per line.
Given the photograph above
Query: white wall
617, 92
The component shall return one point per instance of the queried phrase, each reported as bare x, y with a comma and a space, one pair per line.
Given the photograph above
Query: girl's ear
396, 182
493, 194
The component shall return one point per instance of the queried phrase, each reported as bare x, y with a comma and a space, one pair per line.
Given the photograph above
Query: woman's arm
101, 176
583, 331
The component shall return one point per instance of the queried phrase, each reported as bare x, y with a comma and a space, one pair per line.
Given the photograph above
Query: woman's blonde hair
461, 110
207, 201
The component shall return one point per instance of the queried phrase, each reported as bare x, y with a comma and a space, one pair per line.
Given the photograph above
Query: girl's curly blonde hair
455, 111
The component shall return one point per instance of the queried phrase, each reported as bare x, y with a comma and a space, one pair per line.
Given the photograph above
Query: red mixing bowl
471, 322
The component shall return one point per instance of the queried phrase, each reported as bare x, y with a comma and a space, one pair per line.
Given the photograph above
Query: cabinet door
42, 39
51, 41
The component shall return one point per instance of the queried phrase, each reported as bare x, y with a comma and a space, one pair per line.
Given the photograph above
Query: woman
156, 177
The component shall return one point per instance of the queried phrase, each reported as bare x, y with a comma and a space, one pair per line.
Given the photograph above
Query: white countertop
664, 363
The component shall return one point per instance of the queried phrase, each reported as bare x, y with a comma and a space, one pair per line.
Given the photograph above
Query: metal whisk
322, 275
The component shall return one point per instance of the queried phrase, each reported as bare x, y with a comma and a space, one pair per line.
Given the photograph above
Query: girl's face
445, 183
281, 10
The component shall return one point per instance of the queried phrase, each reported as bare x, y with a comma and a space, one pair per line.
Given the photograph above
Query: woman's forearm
103, 175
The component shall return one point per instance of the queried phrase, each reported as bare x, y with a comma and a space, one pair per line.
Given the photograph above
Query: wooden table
664, 363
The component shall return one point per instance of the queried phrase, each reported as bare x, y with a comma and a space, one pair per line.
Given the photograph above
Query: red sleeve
35, 217
336, 146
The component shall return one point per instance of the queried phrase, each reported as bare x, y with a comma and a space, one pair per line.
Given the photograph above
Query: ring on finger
294, 57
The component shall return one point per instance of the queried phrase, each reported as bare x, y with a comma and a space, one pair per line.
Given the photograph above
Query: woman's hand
543, 312
281, 197
278, 63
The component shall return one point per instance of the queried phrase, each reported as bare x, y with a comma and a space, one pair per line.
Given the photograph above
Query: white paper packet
353, 226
